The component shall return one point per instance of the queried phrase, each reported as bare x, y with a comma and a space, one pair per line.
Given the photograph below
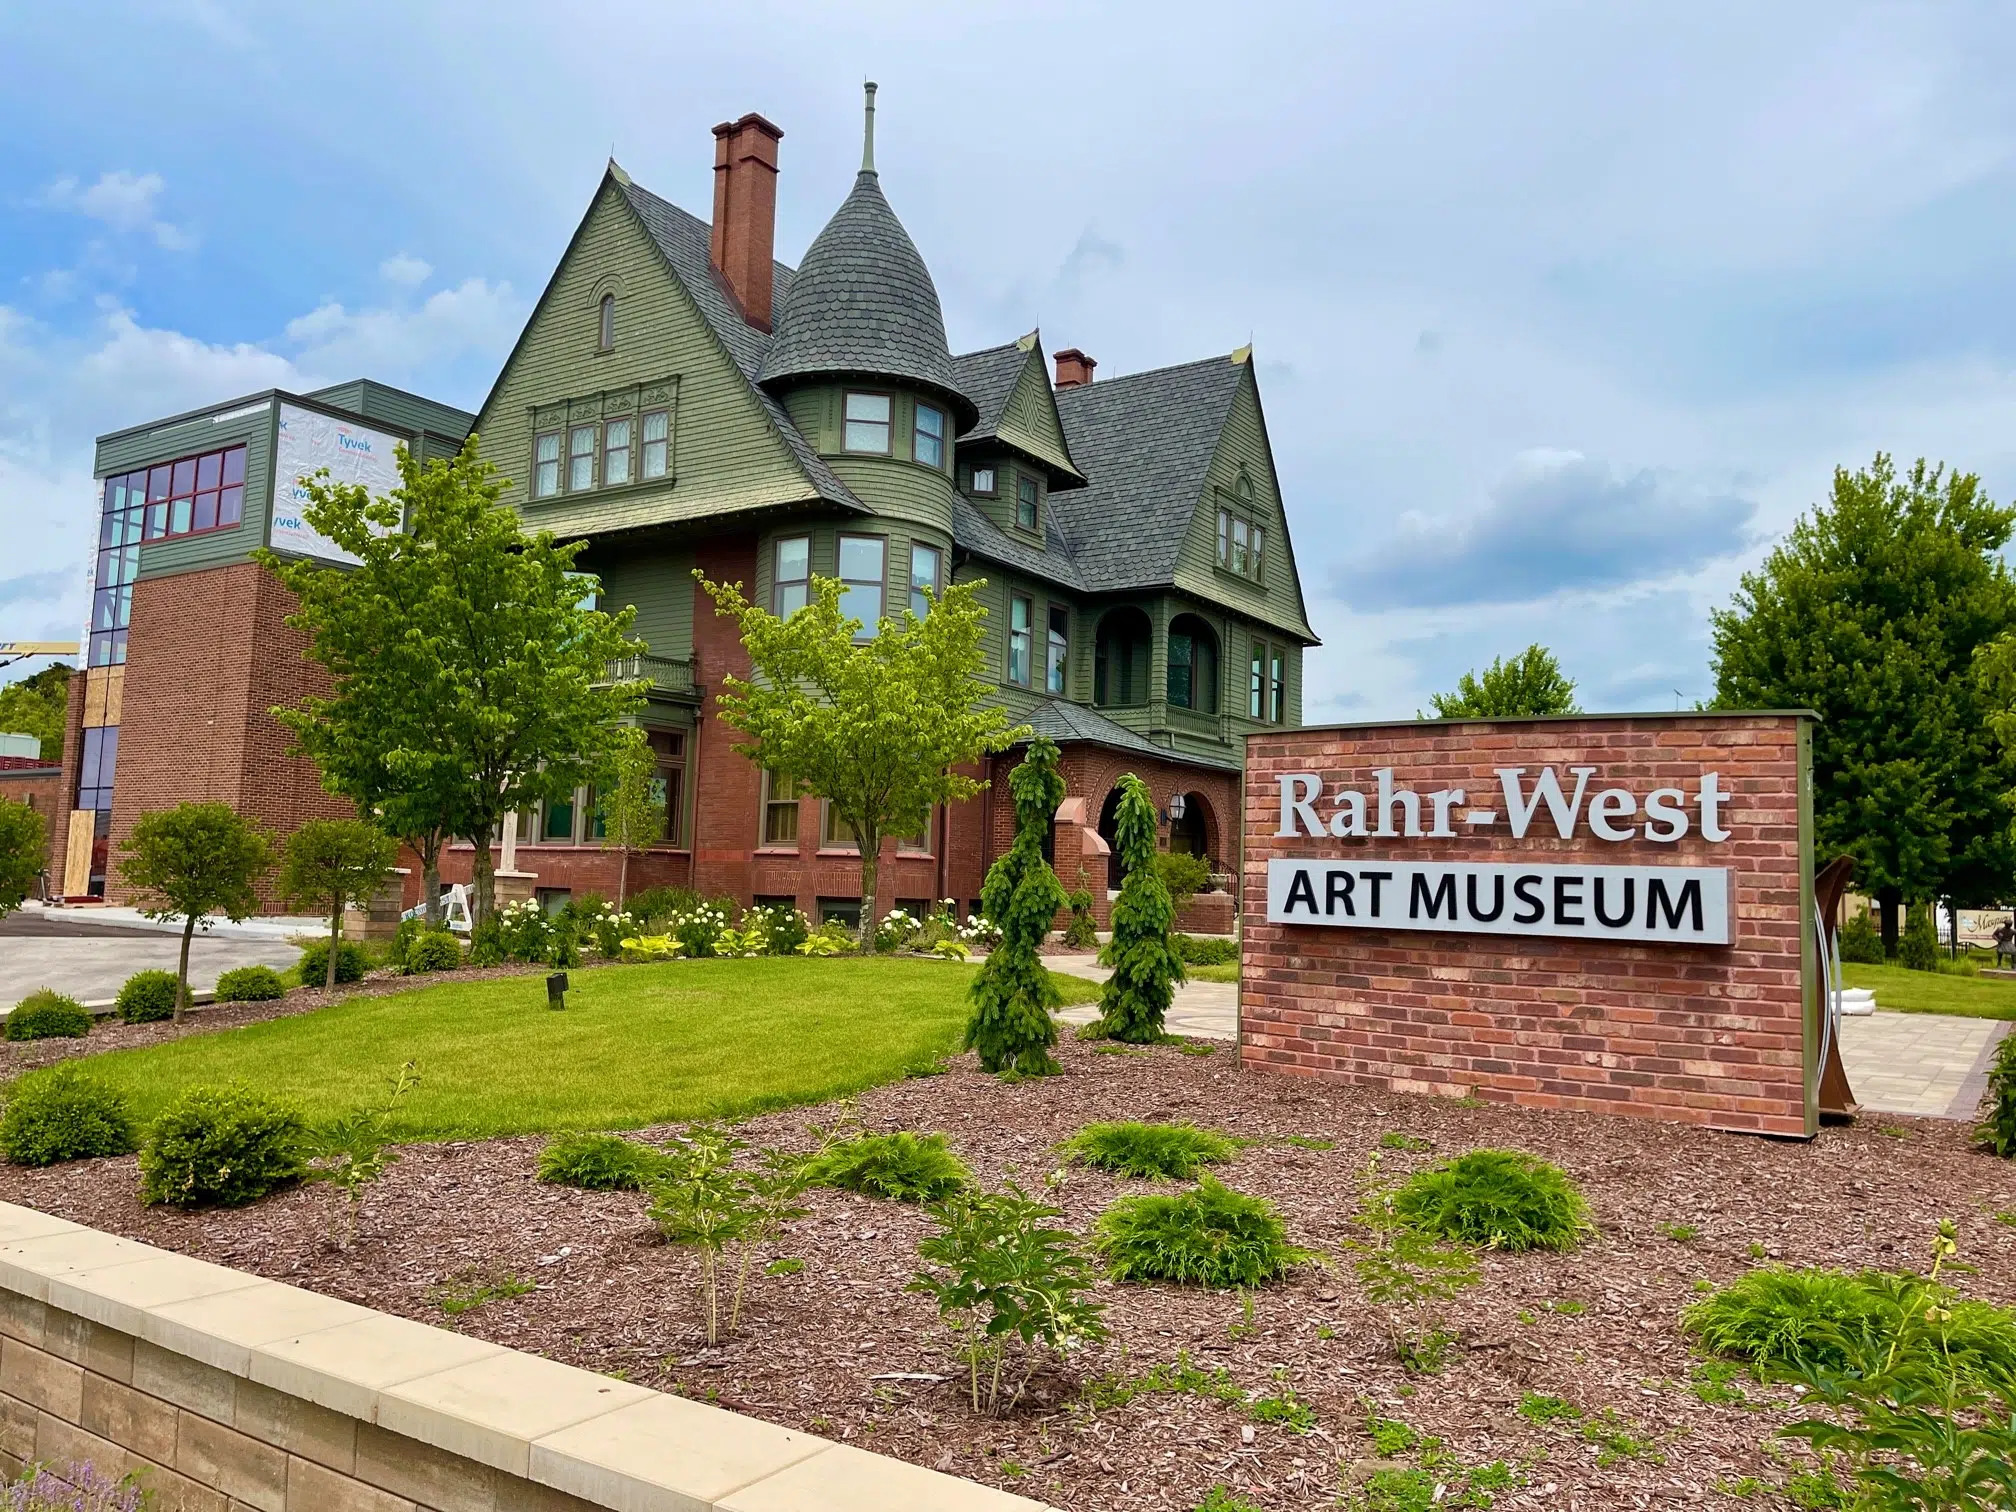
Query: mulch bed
835, 1348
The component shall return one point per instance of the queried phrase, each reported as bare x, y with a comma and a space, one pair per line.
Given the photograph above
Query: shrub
48, 1015
903, 1166
65, 1114
402, 940
780, 927
1997, 1129
1012, 995
1002, 1272
604, 925
148, 997
351, 962
523, 930
1919, 949
830, 939
1209, 1236
1082, 933
600, 1163
1148, 1150
1146, 970
1861, 942
898, 930
652, 906
649, 948
698, 929
1788, 1322
436, 950
1196, 951
247, 984
222, 1146
1183, 874
1505, 1199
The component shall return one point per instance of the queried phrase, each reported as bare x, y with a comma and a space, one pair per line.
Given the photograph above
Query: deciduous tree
1530, 683
329, 864
472, 676
631, 802
1013, 996
1871, 613
23, 847
191, 861
38, 705
878, 726
1135, 999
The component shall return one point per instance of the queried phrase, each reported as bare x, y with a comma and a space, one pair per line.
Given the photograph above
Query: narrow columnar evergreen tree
1013, 995
1146, 968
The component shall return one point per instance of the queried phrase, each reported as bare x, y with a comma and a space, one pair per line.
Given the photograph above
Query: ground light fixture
556, 991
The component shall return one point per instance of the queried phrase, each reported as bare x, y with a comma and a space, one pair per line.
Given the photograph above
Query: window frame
993, 488
628, 450
769, 802
1242, 543
593, 430
645, 443
881, 585
605, 323
828, 843
1057, 651
1256, 683
917, 433
178, 493
546, 809
1034, 500
558, 464
1025, 636
1277, 685
920, 844
888, 423
778, 581
937, 580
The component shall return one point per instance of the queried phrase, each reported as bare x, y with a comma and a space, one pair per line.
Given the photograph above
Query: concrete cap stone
666, 1455
120, 1295
846, 1479
492, 1409
221, 1330
26, 1265
346, 1367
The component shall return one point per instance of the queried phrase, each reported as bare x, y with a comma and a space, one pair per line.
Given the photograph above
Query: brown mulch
114, 1034
836, 1348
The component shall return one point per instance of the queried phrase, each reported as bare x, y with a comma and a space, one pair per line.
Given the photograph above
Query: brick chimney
1074, 368
745, 212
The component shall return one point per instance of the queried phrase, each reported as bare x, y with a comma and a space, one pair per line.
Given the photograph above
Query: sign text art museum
1604, 913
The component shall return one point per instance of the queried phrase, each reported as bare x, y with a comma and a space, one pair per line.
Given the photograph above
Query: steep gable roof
1144, 442
1005, 382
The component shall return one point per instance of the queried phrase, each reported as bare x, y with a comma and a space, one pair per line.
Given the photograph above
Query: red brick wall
1700, 1034
208, 656
41, 788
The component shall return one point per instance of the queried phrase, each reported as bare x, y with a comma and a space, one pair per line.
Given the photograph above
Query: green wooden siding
728, 455
1029, 419
660, 584
409, 412
1276, 599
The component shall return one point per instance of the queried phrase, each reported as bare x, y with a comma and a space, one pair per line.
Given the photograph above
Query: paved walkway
91, 960
1931, 1065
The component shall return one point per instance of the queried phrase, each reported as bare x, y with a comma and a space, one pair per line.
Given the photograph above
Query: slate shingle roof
862, 302
1064, 722
685, 242
988, 378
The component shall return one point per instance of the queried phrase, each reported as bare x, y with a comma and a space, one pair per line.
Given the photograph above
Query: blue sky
1563, 312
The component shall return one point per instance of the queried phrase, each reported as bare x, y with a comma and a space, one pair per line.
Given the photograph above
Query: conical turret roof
862, 303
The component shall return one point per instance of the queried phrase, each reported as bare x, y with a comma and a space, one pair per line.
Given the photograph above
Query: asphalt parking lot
90, 961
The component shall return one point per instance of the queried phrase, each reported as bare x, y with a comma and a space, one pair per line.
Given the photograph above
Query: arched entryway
1109, 829
1190, 831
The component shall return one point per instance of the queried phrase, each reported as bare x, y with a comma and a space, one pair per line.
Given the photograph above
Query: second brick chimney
1074, 368
745, 212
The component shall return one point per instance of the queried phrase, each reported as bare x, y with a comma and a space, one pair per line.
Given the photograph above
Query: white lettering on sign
1664, 905
1392, 810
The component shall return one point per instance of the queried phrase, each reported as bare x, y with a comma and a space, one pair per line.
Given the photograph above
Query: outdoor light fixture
1176, 806
556, 990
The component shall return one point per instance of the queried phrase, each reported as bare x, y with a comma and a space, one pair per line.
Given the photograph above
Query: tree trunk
623, 879
335, 940
182, 970
1952, 929
430, 878
1886, 914
483, 872
871, 871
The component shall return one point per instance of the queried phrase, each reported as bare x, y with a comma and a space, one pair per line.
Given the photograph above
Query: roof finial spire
868, 129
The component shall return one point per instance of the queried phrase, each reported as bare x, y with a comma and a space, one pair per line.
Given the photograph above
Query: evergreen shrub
1208, 1236
351, 962
1082, 933
147, 997
1148, 1150
65, 1114
1861, 942
1919, 949
600, 1163
903, 1166
223, 1147
48, 1015
1134, 1000
1505, 1199
1194, 950
1997, 1129
250, 984
1012, 995
435, 950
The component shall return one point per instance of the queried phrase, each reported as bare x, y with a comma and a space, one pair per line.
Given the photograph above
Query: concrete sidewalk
1929, 1065
89, 956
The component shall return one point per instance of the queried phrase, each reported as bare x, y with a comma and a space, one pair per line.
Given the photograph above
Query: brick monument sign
1601, 913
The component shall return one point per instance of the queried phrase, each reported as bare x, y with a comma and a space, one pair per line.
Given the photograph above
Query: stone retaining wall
227, 1392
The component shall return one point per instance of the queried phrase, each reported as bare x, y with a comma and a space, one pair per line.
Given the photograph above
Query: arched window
605, 330
1193, 665
1120, 658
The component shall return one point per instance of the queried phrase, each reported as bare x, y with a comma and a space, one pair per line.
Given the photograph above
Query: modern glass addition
1025, 501
657, 444
862, 561
1019, 610
1056, 656
928, 445
99, 755
867, 423
791, 581
580, 458
616, 452
184, 497
926, 565
546, 465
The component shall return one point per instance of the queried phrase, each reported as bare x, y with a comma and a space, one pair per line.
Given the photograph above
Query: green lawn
1902, 991
636, 1045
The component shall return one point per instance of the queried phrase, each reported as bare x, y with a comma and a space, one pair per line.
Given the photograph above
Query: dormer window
928, 445
1242, 544
867, 423
983, 481
1026, 501
605, 325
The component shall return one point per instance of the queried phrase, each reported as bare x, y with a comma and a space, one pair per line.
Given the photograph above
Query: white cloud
406, 269
123, 200
476, 317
